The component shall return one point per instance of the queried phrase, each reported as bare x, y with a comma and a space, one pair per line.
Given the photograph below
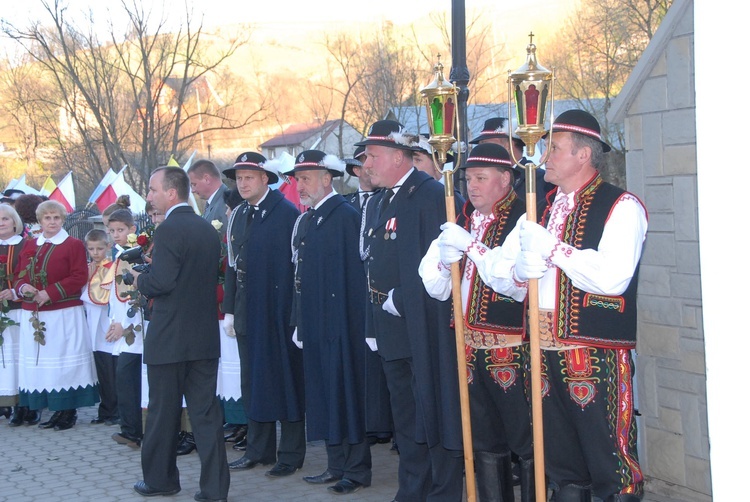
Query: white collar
56, 239
210, 199
12, 241
169, 211
400, 182
324, 199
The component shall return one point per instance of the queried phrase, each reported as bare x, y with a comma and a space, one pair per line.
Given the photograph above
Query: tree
593, 56
135, 99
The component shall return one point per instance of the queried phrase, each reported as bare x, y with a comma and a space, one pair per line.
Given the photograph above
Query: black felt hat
355, 161
389, 133
423, 146
252, 161
315, 160
10, 195
581, 122
232, 198
489, 155
496, 127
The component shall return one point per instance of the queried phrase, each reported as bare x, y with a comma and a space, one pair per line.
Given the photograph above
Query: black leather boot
494, 476
572, 493
528, 486
50, 424
19, 414
67, 420
32, 417
5, 411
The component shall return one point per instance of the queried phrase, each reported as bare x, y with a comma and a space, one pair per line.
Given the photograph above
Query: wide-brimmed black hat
389, 133
581, 122
489, 155
315, 160
353, 162
11, 194
424, 146
252, 161
496, 127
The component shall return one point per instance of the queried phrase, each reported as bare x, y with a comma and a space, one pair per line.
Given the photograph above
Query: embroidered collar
56, 239
12, 241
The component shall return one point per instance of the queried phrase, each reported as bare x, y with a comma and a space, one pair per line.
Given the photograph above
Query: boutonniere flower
132, 240
217, 224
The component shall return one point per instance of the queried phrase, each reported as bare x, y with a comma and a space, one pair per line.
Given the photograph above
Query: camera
127, 277
132, 255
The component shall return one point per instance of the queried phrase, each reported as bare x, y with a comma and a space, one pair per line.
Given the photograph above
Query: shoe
32, 417
126, 439
67, 420
6, 411
236, 435
345, 487
246, 463
19, 415
240, 445
143, 489
202, 498
50, 424
112, 421
186, 444
322, 479
281, 470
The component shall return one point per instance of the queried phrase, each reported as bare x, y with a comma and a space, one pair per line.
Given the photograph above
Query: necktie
387, 196
365, 196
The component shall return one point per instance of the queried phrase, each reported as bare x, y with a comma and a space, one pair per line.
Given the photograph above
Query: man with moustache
410, 330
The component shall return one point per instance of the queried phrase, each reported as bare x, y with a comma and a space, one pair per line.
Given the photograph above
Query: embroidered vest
587, 318
493, 320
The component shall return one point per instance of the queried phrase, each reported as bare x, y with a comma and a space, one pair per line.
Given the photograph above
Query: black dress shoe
67, 420
281, 470
143, 489
202, 498
186, 445
240, 445
50, 424
345, 487
32, 417
236, 435
6, 411
126, 439
322, 479
97, 421
19, 414
246, 463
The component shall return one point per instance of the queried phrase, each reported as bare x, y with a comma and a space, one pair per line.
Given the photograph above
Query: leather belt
378, 297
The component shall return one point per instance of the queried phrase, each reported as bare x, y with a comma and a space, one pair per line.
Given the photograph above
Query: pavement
85, 464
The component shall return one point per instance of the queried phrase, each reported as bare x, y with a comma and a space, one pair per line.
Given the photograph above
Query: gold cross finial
531, 37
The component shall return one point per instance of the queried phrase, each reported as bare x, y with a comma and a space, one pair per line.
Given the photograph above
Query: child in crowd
96, 304
126, 332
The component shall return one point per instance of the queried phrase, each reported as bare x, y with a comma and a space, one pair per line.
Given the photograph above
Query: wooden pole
463, 384
535, 350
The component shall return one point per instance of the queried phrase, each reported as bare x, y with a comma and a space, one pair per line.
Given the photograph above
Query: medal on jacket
390, 229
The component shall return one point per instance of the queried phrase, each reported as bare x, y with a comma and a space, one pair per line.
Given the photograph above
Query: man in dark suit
205, 182
411, 330
181, 347
359, 198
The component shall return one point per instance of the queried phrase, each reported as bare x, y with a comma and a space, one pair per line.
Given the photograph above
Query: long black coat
276, 377
331, 323
419, 208
182, 284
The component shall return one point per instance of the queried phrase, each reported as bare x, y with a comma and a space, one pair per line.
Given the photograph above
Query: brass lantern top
438, 86
531, 69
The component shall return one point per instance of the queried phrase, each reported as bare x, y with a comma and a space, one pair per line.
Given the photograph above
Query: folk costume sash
493, 320
587, 318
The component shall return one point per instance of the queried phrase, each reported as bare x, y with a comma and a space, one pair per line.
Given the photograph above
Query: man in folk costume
494, 325
411, 330
258, 307
585, 253
330, 294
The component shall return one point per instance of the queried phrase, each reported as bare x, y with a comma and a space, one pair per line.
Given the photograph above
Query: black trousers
424, 473
351, 461
129, 394
106, 365
196, 380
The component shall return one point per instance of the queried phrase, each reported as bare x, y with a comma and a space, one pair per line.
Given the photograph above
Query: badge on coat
390, 229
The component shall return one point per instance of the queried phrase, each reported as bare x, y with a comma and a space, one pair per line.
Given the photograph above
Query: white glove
372, 343
537, 239
529, 266
228, 324
389, 306
455, 236
294, 339
449, 254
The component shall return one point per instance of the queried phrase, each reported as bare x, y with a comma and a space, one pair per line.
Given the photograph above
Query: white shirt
11, 241
56, 239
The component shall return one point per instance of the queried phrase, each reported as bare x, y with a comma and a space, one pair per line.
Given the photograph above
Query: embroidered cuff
519, 283
560, 252
445, 270
476, 251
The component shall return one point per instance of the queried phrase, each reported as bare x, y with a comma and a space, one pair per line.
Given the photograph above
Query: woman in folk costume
126, 332
56, 364
11, 243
